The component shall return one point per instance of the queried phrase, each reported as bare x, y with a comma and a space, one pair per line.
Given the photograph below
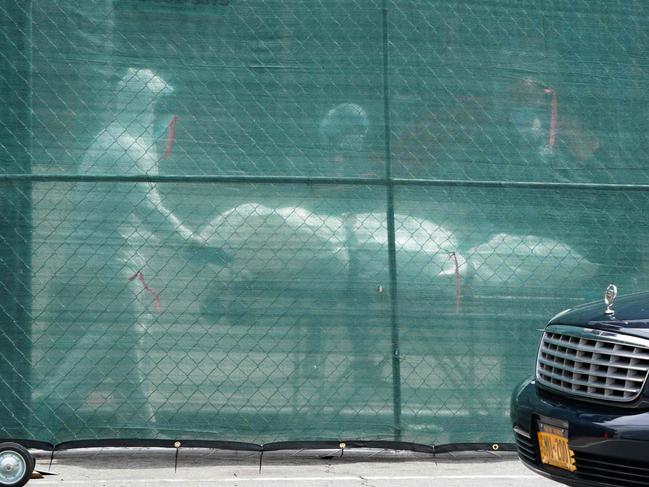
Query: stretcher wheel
16, 465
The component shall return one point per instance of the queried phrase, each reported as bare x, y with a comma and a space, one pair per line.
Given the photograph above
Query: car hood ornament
609, 298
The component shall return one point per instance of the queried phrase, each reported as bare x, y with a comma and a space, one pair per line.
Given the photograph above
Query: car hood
631, 315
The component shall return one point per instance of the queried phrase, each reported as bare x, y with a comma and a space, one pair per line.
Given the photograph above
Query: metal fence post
15, 222
392, 258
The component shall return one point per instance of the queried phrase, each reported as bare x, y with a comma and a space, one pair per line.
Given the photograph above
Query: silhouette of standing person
109, 303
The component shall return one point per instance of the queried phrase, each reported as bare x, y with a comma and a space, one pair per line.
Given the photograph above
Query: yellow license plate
554, 451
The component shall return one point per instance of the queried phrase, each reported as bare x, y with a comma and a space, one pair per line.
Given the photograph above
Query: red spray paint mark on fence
458, 282
554, 117
171, 137
151, 291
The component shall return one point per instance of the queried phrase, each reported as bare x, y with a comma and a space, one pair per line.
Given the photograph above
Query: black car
583, 420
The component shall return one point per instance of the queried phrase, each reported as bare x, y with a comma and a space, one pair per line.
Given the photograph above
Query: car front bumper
611, 444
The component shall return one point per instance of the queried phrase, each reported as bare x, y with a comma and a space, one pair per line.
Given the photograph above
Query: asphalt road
305, 468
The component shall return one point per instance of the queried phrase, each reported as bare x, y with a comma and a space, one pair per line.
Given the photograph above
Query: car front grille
527, 448
592, 364
611, 471
590, 468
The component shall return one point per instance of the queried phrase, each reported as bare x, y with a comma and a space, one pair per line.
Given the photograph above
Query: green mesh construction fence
304, 220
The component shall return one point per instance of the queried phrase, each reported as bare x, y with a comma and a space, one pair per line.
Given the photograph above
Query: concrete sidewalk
303, 468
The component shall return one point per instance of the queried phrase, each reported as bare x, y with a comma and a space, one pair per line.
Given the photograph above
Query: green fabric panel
284, 309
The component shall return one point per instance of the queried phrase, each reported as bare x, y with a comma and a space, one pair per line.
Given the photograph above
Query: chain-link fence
298, 220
